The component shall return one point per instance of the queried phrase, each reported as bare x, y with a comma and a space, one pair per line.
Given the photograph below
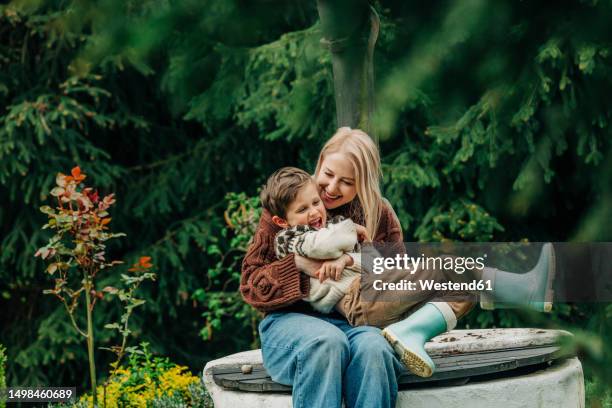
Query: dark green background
493, 123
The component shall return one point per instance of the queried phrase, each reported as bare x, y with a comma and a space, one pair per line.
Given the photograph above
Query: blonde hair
361, 151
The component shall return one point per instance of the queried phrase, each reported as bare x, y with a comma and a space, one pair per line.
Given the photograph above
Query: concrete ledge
560, 386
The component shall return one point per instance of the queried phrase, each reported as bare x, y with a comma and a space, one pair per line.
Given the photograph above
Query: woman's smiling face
336, 180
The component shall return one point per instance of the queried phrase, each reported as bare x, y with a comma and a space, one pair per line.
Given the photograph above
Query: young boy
292, 198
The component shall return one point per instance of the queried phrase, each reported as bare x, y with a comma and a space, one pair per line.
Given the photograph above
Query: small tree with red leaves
77, 254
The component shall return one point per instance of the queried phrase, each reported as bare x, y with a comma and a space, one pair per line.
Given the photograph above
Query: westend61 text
459, 264
475, 285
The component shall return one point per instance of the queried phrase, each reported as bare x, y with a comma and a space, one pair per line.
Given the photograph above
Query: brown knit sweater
270, 284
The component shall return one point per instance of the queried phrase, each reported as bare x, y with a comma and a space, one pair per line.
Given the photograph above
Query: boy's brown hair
281, 189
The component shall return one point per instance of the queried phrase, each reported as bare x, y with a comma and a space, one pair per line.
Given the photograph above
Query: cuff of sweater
294, 284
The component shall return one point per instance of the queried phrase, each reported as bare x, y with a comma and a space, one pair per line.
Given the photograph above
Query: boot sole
415, 364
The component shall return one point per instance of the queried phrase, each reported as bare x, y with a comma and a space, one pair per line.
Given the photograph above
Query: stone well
555, 381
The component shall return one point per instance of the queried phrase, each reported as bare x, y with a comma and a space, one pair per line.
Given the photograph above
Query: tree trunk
350, 30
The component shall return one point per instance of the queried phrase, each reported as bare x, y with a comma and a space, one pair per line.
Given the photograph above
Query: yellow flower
170, 381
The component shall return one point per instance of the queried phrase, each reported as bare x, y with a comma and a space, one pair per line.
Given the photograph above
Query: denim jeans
325, 359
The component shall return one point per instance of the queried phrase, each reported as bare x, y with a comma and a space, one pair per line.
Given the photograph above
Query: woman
322, 356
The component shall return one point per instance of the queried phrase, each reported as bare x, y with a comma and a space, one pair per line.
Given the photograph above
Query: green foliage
142, 363
198, 396
463, 221
2, 373
77, 254
126, 90
129, 302
493, 125
597, 394
148, 380
526, 108
221, 304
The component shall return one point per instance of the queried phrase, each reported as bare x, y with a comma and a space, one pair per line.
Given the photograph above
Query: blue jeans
324, 358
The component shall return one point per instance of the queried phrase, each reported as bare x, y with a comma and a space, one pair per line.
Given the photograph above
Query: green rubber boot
533, 289
408, 337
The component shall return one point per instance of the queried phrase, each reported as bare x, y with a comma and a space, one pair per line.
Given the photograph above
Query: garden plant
493, 120
77, 254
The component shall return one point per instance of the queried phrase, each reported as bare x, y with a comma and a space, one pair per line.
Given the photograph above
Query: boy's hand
362, 233
333, 269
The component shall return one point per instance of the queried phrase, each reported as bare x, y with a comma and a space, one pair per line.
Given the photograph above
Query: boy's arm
327, 243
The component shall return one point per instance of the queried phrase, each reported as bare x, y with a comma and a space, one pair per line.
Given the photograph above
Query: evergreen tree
492, 118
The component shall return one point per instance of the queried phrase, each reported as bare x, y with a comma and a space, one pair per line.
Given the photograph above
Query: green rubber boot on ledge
408, 337
533, 289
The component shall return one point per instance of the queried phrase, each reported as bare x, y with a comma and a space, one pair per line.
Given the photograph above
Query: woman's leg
425, 320
533, 289
307, 352
409, 335
371, 377
381, 308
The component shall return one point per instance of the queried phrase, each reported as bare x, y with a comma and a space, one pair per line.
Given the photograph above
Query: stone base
560, 386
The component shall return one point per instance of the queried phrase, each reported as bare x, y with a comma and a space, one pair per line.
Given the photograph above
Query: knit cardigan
269, 284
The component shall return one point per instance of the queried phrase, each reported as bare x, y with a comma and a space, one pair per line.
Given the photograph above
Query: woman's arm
267, 283
390, 232
389, 227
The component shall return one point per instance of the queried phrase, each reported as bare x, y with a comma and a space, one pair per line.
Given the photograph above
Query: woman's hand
307, 265
362, 233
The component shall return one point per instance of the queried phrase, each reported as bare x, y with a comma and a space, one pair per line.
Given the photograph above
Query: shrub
77, 253
148, 381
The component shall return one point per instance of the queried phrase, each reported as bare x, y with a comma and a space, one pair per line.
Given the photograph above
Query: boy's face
306, 209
